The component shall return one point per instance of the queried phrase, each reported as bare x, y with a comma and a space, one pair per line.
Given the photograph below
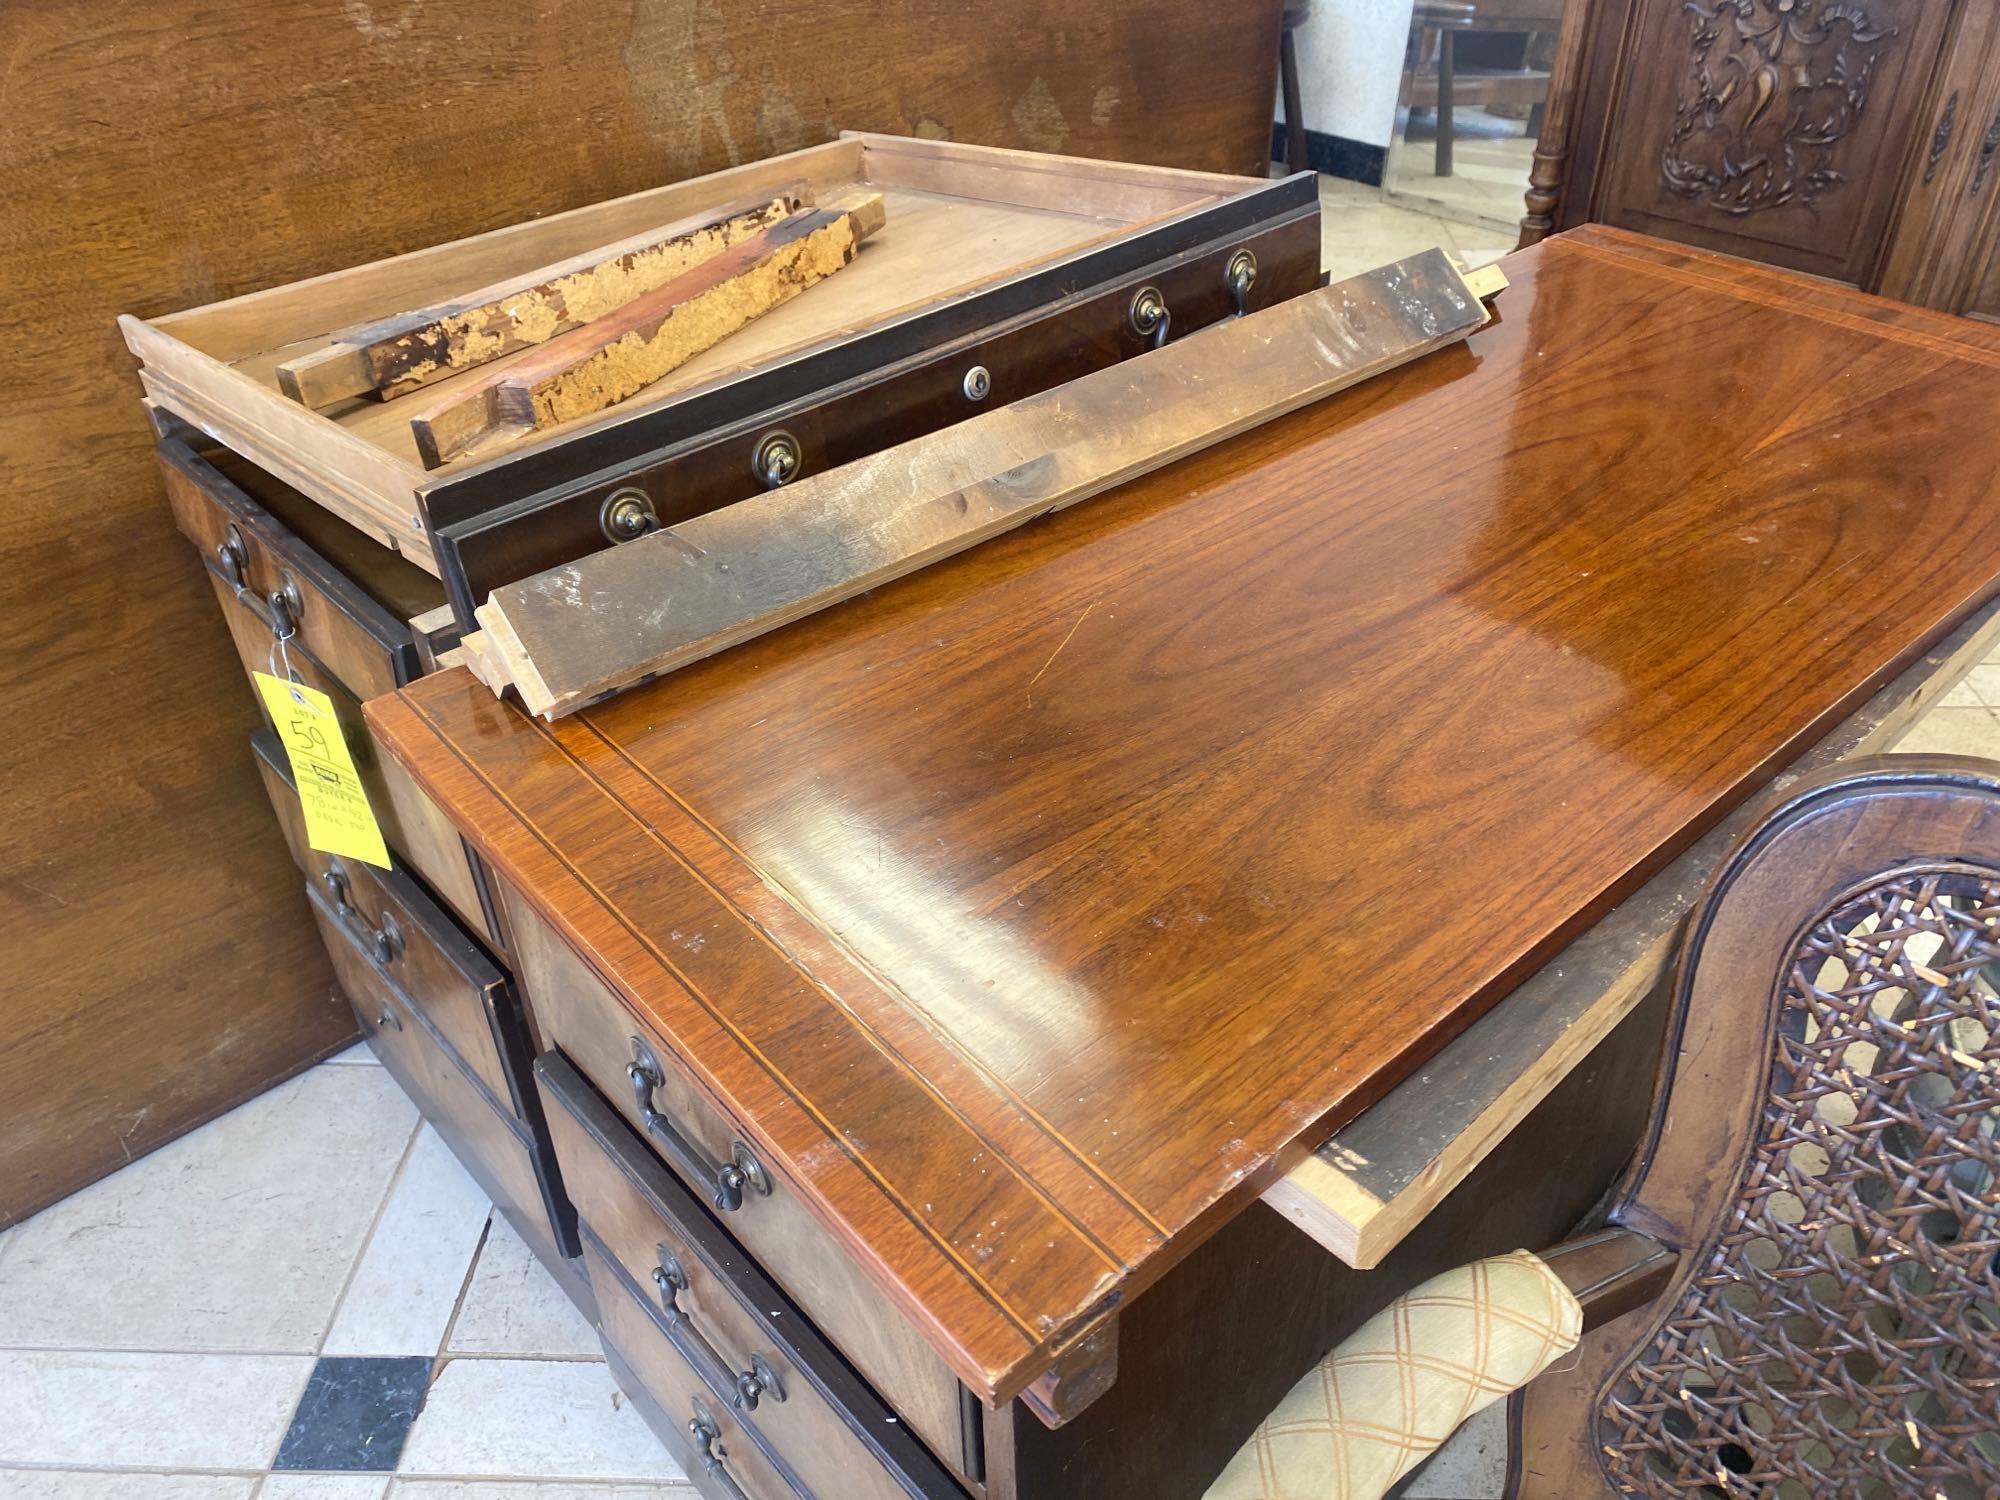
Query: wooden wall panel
159, 963
1769, 130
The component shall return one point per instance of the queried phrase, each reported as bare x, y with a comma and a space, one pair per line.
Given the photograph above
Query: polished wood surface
1380, 1176
162, 157
1034, 913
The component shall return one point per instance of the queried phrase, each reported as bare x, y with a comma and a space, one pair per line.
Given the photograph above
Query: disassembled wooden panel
621, 353
575, 633
393, 356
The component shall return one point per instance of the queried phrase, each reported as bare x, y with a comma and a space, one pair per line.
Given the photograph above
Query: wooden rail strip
573, 634
396, 355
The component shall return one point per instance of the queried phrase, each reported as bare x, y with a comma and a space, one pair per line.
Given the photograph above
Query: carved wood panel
1774, 129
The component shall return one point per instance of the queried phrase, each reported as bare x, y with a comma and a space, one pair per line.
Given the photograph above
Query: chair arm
1612, 1271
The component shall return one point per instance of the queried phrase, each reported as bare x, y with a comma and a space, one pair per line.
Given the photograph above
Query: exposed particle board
619, 354
392, 356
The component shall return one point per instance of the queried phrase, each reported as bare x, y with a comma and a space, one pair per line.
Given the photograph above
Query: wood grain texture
397, 355
161, 158
1100, 840
574, 633
1377, 1179
622, 351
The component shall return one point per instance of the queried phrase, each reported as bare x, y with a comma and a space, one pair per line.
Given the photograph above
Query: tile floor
1359, 231
309, 1300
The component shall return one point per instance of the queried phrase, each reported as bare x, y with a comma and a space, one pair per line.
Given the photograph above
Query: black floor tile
355, 1414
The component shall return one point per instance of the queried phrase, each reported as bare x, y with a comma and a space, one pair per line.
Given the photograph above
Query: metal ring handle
382, 943
1239, 276
1150, 316
729, 1180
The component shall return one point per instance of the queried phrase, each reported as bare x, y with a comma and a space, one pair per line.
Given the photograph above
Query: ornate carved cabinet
1852, 139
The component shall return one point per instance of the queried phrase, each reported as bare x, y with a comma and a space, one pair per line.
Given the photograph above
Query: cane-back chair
1796, 1292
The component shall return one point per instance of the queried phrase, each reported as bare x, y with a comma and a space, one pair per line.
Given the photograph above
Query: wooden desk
1025, 920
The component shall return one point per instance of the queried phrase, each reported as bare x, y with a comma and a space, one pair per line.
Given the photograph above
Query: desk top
1038, 910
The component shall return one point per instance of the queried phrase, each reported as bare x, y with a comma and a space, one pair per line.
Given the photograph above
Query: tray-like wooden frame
962, 218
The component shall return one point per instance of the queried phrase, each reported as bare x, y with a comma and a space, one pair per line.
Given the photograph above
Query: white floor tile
515, 1307
563, 1489
1472, 1465
237, 1236
414, 1267
1982, 684
324, 1487
177, 1411
532, 1419
72, 1484
358, 1053
1954, 731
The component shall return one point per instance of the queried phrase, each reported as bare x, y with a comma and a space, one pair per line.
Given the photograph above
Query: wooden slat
689, 591
396, 355
622, 352
1363, 1191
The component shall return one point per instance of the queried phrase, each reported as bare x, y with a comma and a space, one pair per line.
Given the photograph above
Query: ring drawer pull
752, 1385
1150, 316
707, 1437
730, 1178
383, 943
1239, 276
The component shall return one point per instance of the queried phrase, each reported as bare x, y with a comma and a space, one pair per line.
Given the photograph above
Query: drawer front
285, 581
725, 1455
579, 1016
494, 1146
829, 1427
437, 968
411, 823
277, 777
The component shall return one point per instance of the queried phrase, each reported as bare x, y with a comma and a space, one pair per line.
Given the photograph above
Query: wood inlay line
887, 1049
776, 1076
931, 1026
1689, 276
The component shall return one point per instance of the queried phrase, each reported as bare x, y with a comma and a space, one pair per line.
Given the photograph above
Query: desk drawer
725, 1455
438, 969
411, 823
284, 581
336, 639
494, 1146
829, 1427
580, 1017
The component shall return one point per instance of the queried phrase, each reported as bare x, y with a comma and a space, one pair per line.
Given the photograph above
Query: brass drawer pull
383, 943
1150, 316
729, 1179
752, 1385
708, 1448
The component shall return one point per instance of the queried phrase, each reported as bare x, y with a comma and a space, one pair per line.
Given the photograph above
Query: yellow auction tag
338, 817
